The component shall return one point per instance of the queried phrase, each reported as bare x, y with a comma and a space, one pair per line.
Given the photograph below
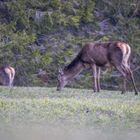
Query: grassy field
71, 108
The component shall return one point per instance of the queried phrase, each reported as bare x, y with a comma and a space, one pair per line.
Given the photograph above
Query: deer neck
73, 71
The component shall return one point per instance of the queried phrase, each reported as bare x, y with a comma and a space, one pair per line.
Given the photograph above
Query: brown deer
7, 75
97, 55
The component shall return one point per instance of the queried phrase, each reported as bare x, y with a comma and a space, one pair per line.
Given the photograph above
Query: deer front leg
98, 79
94, 72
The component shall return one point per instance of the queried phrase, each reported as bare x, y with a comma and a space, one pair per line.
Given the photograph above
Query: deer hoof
122, 92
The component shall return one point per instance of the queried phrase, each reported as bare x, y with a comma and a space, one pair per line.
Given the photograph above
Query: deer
97, 55
7, 74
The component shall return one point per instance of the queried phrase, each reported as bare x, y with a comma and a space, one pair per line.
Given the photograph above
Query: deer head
62, 81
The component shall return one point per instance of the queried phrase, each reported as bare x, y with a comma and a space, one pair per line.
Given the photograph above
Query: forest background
39, 36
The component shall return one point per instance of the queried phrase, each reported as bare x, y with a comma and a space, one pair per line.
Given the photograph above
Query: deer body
98, 55
7, 75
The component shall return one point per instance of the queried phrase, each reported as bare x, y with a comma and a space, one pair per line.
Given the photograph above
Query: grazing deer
98, 55
7, 75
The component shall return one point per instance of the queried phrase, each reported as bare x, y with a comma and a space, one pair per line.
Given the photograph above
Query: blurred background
39, 36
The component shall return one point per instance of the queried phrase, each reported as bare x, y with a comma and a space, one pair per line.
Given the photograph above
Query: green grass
76, 107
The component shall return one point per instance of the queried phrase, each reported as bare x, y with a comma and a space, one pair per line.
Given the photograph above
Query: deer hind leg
126, 72
130, 73
123, 73
94, 72
124, 86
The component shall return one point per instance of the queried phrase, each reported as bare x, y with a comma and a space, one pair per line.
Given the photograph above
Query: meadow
45, 112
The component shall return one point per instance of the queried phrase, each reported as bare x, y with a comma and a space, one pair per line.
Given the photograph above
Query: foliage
42, 34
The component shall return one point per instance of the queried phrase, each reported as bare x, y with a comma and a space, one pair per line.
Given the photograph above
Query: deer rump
7, 75
98, 55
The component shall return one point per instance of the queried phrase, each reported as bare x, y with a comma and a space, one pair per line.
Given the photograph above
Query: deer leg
133, 81
94, 72
124, 86
98, 79
130, 74
120, 69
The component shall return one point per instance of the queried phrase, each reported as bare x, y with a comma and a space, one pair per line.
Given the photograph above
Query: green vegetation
42, 34
72, 106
